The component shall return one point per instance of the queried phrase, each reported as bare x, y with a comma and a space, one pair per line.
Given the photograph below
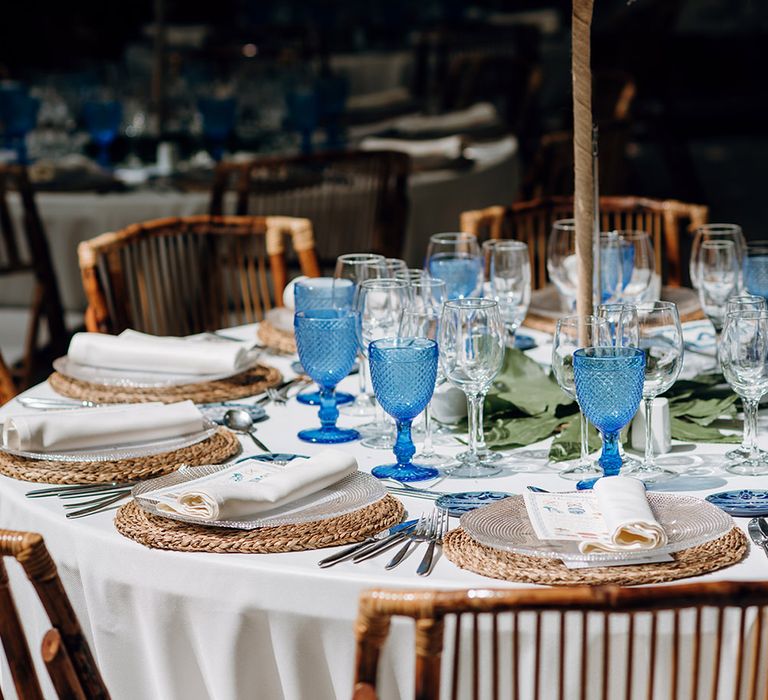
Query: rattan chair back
7, 385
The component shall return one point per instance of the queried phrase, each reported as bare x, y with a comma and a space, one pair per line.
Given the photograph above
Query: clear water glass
717, 232
718, 270
623, 326
572, 333
661, 339
471, 355
359, 267
756, 268
744, 360
609, 387
510, 275
455, 259
638, 265
403, 371
326, 340
561, 261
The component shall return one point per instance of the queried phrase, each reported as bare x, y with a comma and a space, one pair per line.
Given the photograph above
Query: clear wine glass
471, 355
638, 265
661, 338
572, 333
718, 270
358, 267
455, 259
756, 268
510, 275
561, 261
717, 232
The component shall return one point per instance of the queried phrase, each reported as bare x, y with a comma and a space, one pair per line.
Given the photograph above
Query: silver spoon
241, 422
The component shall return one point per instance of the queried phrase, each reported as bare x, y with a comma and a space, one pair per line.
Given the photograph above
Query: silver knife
758, 536
374, 550
375, 540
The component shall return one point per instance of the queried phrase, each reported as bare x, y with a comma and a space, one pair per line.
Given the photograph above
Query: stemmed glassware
471, 355
327, 343
638, 265
561, 260
103, 119
661, 338
612, 277
380, 304
359, 267
744, 359
572, 333
756, 268
510, 274
421, 318
718, 270
609, 386
623, 325
717, 232
455, 259
403, 371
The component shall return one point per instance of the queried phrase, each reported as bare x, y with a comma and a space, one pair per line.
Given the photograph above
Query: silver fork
422, 533
276, 397
425, 567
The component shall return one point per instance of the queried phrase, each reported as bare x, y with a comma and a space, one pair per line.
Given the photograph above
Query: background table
176, 625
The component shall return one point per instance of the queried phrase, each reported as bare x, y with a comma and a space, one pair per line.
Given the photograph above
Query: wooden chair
179, 276
356, 200
7, 385
711, 636
65, 650
27, 253
531, 222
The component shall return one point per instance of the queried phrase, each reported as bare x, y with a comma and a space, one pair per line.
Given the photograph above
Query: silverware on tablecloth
382, 536
758, 536
537, 489
97, 507
413, 494
240, 421
42, 403
66, 489
421, 533
436, 538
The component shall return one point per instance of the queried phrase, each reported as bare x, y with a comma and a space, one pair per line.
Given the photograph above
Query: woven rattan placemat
280, 341
163, 533
469, 554
253, 381
222, 445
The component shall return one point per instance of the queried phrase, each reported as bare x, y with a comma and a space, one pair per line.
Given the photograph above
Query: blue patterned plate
524, 342
459, 503
216, 411
747, 503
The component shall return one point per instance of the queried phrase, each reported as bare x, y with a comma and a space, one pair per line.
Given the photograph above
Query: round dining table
202, 626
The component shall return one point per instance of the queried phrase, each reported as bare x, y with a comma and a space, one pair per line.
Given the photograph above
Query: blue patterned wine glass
327, 343
102, 119
219, 117
609, 387
403, 371
455, 258
756, 268
323, 293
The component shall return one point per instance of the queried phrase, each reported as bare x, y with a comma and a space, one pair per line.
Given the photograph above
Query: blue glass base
587, 484
411, 472
328, 436
312, 398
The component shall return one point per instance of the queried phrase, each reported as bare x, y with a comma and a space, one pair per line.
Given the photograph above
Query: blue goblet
327, 343
102, 119
403, 371
323, 293
219, 117
609, 388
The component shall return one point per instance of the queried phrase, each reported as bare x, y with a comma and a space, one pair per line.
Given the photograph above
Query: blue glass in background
609, 387
628, 263
102, 119
303, 114
756, 268
18, 114
327, 343
461, 272
219, 117
323, 293
332, 93
403, 371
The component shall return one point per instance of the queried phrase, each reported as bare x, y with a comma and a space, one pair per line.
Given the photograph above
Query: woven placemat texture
469, 554
280, 341
218, 448
163, 533
253, 381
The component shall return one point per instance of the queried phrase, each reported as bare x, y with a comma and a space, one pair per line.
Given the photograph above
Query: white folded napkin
480, 114
447, 147
254, 487
628, 518
449, 404
132, 350
107, 426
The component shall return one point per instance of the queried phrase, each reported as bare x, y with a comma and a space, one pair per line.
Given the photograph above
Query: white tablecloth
176, 625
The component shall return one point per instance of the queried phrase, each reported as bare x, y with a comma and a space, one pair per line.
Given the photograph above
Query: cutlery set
99, 497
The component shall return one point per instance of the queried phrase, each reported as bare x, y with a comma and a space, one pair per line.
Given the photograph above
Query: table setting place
194, 444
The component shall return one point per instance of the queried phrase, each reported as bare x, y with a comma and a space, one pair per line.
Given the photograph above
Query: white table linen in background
175, 625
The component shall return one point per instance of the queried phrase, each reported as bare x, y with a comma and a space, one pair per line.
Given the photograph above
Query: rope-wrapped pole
583, 199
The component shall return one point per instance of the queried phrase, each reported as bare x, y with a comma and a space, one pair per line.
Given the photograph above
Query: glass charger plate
132, 451
141, 379
355, 491
688, 522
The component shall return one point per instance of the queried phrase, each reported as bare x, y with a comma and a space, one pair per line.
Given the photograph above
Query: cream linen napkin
132, 350
108, 426
628, 518
448, 147
253, 487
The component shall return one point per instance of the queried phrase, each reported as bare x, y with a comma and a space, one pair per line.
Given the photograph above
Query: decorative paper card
566, 516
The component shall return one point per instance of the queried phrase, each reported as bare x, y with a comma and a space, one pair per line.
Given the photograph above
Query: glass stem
474, 415
361, 374
328, 413
427, 449
584, 459
648, 462
404, 449
750, 428
479, 432
610, 460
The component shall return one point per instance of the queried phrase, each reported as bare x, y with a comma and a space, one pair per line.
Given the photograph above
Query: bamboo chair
709, 631
356, 200
7, 385
531, 222
28, 254
179, 276
65, 651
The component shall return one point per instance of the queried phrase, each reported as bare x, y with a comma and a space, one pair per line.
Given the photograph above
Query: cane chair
186, 275
7, 385
356, 200
65, 651
531, 221
575, 643
26, 253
